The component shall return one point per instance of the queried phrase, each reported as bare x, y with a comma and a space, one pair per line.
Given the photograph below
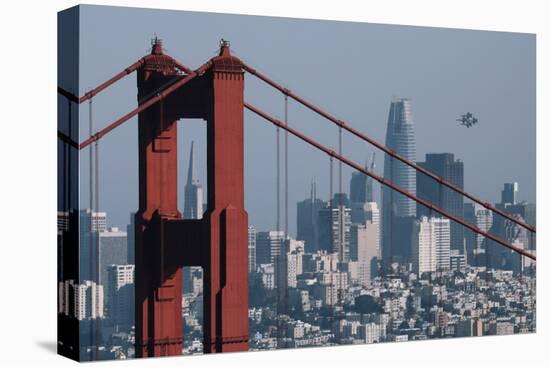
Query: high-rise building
361, 186
498, 256
251, 249
307, 216
365, 243
289, 265
424, 253
334, 231
120, 307
113, 249
88, 300
91, 224
193, 200
509, 193
482, 218
457, 261
268, 246
442, 229
97, 221
451, 170
400, 138
365, 250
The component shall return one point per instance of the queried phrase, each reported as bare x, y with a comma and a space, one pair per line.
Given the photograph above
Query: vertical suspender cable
331, 193
93, 242
278, 228
286, 167
285, 254
341, 211
391, 214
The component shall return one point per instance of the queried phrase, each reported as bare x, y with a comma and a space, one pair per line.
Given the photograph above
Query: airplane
467, 120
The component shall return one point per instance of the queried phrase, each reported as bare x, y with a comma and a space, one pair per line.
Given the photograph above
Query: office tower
91, 224
498, 256
424, 253
113, 249
365, 243
509, 193
267, 272
451, 170
442, 229
268, 246
88, 300
251, 249
475, 243
334, 231
361, 212
120, 307
96, 220
193, 200
457, 261
400, 137
307, 216
365, 250
289, 264
361, 185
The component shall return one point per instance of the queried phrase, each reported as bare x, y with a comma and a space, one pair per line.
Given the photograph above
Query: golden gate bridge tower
165, 241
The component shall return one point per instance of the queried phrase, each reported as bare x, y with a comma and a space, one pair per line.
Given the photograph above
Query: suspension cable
387, 183
145, 105
382, 147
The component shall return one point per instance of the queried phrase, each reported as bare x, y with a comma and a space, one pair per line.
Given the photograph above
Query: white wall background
28, 187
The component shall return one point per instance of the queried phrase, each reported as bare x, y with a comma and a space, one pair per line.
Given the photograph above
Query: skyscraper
113, 249
442, 229
365, 247
483, 219
509, 193
91, 224
361, 185
450, 169
88, 300
120, 307
193, 200
268, 246
334, 231
398, 211
498, 256
424, 252
307, 216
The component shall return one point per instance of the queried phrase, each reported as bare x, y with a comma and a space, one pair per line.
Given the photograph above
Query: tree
367, 304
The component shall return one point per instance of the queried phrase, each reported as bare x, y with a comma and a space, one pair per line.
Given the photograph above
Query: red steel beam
387, 182
130, 69
93, 92
142, 107
382, 147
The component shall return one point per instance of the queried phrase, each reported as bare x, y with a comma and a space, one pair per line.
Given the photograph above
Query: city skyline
474, 84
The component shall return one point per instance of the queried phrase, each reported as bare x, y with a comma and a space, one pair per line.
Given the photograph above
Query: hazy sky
352, 70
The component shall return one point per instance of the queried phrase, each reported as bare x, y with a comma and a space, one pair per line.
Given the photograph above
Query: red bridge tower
165, 241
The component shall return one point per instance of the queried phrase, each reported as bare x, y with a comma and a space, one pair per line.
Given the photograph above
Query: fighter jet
467, 120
